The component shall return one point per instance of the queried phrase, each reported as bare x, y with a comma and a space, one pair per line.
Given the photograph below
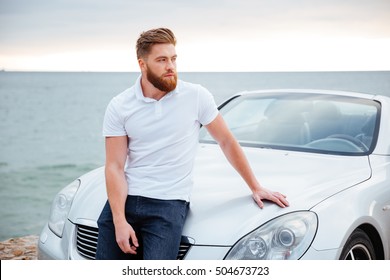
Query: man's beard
164, 84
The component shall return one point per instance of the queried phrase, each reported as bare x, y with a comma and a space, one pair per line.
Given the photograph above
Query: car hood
221, 208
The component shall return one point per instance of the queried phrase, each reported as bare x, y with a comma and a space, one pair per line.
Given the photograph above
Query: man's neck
150, 90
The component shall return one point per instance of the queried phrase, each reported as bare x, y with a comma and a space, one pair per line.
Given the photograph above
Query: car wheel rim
358, 252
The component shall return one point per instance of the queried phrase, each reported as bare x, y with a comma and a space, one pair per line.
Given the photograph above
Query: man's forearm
235, 155
117, 193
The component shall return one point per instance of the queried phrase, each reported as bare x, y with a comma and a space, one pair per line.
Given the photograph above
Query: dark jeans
157, 223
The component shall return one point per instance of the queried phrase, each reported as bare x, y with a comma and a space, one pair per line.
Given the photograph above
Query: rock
17, 252
21, 248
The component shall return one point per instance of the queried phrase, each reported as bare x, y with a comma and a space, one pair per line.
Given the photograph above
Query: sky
212, 35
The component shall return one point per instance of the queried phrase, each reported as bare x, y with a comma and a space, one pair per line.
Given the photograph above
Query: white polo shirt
163, 137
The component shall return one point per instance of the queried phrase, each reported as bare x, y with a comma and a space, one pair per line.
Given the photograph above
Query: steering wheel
351, 139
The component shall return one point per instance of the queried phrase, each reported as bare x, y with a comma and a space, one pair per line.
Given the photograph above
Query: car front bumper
52, 247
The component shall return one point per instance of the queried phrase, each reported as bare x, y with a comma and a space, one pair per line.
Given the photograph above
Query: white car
328, 151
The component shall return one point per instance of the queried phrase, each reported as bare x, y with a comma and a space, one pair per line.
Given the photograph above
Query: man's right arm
116, 153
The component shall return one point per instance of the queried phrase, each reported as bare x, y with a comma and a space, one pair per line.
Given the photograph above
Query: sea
51, 122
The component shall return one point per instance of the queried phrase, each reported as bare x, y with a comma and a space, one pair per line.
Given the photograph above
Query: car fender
91, 197
359, 208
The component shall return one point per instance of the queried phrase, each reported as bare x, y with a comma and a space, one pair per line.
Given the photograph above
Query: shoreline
19, 248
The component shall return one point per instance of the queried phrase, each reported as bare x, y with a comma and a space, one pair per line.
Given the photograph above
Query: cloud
46, 27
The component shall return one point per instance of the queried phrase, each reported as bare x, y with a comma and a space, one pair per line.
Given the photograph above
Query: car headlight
284, 238
61, 206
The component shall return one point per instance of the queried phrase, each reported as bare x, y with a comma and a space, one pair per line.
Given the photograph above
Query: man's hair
151, 37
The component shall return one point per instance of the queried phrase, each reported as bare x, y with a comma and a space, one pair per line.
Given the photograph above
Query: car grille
86, 242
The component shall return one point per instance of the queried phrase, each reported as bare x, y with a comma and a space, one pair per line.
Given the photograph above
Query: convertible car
328, 151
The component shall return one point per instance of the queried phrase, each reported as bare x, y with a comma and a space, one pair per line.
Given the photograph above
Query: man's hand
276, 197
126, 238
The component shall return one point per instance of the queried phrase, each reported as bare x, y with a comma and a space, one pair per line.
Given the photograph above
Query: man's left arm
235, 155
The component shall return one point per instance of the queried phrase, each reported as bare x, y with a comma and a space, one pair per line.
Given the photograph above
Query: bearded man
151, 135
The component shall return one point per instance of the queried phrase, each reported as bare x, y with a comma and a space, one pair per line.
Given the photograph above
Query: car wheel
358, 247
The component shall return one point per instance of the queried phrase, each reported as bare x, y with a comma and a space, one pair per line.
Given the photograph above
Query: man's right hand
126, 238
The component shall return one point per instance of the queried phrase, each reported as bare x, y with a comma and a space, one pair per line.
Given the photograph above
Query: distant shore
20, 248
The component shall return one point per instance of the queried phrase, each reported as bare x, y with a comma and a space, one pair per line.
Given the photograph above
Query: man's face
160, 67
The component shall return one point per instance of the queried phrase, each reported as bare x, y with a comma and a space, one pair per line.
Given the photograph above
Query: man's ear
142, 64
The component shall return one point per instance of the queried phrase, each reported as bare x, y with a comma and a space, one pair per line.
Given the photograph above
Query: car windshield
317, 123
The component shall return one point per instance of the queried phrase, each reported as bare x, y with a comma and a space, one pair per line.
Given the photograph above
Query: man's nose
170, 65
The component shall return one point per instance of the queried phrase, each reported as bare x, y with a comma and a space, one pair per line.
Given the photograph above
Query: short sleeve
113, 123
207, 110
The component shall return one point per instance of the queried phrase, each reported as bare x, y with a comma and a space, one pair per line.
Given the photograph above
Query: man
151, 133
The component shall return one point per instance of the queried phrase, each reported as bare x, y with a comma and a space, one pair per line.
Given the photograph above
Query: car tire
358, 247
